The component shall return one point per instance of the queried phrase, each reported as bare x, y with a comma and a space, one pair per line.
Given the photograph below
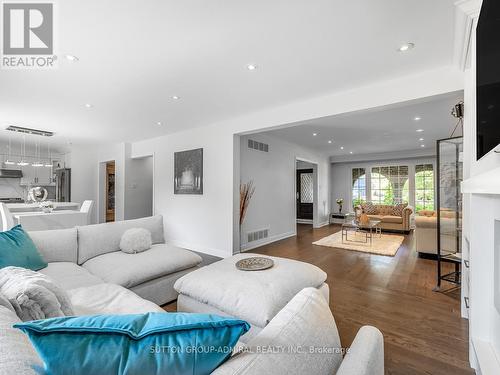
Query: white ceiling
135, 55
381, 130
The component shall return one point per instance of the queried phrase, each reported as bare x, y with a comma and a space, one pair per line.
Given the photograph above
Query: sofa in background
90, 255
390, 221
426, 231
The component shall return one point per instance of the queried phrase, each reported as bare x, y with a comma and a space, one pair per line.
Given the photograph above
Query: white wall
341, 176
273, 205
198, 222
139, 188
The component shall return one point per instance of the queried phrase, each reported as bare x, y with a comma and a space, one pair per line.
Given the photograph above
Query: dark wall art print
188, 172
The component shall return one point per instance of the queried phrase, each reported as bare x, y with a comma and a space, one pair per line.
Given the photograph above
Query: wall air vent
19, 129
259, 146
257, 235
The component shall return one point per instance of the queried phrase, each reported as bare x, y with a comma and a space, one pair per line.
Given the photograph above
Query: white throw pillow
135, 240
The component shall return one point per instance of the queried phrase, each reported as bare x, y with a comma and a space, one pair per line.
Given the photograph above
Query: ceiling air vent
259, 146
20, 129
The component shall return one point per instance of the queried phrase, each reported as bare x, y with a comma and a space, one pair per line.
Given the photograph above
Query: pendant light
37, 163
9, 157
23, 162
49, 157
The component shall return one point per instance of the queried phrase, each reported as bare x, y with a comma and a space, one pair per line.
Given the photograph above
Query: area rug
387, 244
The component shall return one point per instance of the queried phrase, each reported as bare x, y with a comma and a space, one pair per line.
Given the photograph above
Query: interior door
305, 194
110, 191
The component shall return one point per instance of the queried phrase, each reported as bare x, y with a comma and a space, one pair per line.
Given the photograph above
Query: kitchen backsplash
10, 188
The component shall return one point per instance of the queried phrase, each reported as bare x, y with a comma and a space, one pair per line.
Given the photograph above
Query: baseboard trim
304, 221
266, 241
323, 224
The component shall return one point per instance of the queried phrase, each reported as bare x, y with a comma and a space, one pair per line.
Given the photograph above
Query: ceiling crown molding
466, 15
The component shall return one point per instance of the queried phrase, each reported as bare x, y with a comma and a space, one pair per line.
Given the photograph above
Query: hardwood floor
423, 331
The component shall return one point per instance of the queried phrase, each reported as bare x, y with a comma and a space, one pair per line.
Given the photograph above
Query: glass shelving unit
449, 208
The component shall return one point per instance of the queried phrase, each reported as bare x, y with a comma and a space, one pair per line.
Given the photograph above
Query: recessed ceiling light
420, 139
419, 130
159, 123
406, 47
350, 152
422, 145
251, 66
175, 97
341, 147
330, 141
315, 134
71, 58
418, 118
88, 105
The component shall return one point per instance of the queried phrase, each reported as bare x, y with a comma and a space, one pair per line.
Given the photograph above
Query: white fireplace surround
483, 280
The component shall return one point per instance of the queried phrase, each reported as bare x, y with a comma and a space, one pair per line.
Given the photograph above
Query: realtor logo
28, 35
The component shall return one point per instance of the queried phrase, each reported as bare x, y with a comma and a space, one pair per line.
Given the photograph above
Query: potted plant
340, 202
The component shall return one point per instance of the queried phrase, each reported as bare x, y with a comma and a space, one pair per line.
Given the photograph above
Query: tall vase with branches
246, 193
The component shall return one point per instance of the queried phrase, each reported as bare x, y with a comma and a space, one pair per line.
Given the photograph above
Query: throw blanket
33, 295
109, 299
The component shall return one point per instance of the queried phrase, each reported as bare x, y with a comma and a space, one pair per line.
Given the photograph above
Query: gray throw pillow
135, 240
33, 295
5, 303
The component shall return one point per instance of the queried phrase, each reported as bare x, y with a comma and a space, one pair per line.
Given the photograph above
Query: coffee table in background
367, 228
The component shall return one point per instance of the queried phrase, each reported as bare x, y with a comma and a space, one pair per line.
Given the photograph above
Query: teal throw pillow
17, 249
147, 344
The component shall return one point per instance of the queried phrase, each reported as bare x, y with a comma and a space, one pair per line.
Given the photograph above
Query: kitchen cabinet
28, 175
41, 176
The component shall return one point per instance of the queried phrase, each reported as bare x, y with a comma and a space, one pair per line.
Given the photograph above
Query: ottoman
255, 296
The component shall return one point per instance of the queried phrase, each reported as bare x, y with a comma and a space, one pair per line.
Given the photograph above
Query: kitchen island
33, 221
34, 207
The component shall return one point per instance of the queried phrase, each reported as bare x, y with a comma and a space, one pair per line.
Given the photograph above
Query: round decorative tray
254, 264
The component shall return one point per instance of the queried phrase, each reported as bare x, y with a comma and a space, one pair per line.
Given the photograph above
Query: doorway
304, 194
139, 186
305, 182
109, 191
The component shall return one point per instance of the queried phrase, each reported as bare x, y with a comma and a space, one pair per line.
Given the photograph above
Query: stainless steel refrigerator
63, 185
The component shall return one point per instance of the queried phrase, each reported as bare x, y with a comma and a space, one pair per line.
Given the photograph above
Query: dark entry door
305, 194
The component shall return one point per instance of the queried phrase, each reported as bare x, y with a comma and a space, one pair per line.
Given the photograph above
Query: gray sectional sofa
99, 279
90, 255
